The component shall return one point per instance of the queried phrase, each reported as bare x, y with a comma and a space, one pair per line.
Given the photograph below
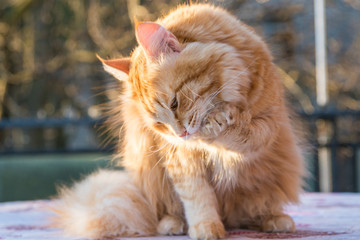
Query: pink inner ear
155, 39
144, 31
122, 64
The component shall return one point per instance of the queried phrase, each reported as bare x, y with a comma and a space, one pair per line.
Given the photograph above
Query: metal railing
331, 146
327, 147
32, 123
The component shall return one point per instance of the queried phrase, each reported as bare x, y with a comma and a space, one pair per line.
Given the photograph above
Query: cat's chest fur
223, 168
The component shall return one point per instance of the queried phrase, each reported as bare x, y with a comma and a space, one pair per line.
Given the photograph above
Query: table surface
319, 216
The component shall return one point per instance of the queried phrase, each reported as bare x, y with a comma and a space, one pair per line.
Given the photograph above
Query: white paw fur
218, 120
171, 225
207, 230
283, 223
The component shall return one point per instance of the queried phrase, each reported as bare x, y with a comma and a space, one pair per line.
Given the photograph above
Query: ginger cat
207, 142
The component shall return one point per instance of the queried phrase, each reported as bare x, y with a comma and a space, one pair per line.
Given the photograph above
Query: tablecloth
318, 216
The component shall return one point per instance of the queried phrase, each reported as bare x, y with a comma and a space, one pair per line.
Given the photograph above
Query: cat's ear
119, 68
155, 39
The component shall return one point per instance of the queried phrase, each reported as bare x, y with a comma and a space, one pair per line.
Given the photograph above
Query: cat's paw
282, 223
171, 225
206, 230
218, 120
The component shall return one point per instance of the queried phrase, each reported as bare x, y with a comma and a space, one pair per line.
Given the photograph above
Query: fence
336, 159
339, 171
24, 124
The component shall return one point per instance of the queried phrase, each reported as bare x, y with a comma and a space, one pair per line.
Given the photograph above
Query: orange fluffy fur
207, 142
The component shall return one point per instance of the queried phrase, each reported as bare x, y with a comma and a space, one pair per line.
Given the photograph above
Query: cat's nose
184, 134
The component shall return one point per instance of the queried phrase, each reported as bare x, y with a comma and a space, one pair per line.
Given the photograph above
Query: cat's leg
278, 223
201, 209
200, 205
171, 225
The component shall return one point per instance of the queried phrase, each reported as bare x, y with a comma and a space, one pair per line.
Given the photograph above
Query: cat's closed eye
174, 104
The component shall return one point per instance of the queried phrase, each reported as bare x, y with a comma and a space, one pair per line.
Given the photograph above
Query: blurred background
52, 86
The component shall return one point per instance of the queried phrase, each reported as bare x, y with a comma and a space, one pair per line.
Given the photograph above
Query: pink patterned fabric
319, 216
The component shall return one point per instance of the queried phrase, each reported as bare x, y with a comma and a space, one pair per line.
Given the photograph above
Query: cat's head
177, 84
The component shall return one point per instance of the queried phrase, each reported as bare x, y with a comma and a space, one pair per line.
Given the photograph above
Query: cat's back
207, 23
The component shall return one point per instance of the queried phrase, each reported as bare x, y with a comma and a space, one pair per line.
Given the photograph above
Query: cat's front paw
206, 230
218, 120
282, 223
171, 225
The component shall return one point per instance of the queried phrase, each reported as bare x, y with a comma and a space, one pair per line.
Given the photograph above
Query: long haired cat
207, 142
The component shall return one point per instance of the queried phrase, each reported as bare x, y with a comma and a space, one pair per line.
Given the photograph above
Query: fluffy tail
105, 204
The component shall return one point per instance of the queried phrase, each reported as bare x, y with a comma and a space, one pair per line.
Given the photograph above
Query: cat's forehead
195, 62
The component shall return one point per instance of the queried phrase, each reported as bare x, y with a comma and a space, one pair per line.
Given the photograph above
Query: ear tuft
155, 39
119, 68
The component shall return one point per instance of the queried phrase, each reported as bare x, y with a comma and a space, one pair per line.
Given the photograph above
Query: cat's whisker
196, 95
191, 100
172, 150
160, 159
170, 154
204, 114
192, 120
223, 86
161, 103
159, 149
197, 120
